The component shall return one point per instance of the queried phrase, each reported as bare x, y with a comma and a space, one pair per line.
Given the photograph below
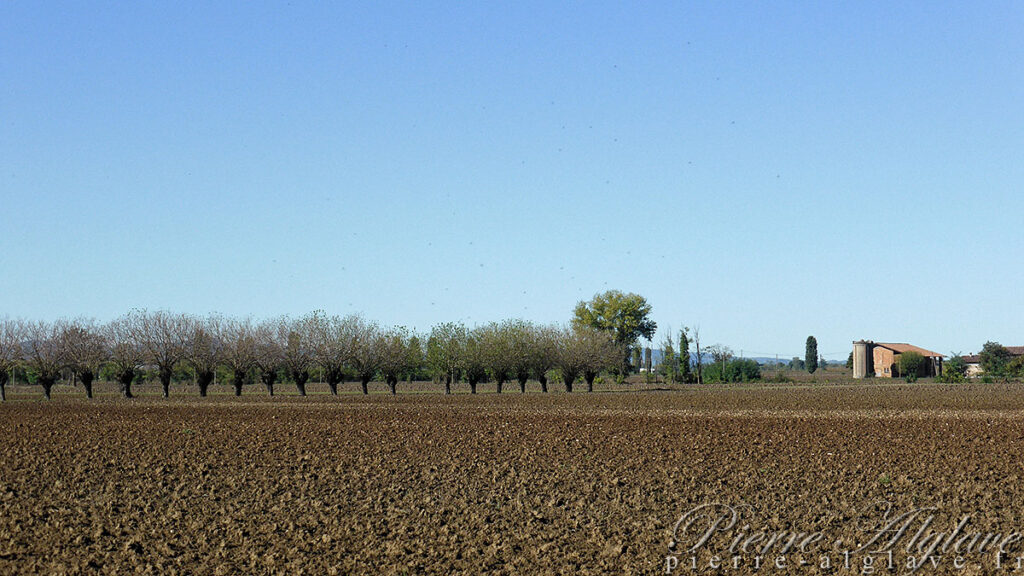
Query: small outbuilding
882, 359
973, 361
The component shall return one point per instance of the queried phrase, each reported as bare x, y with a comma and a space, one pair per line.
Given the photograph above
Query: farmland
513, 484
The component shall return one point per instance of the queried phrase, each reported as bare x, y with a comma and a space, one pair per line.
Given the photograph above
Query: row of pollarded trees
342, 348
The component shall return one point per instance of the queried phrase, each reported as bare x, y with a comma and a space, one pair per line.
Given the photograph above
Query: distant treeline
339, 349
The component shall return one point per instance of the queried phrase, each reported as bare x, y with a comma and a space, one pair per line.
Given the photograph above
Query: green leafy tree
669, 361
955, 370
684, 355
416, 362
1015, 367
911, 364
811, 355
625, 316
733, 370
994, 358
849, 360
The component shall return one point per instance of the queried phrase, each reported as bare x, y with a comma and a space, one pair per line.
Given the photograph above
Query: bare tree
474, 359
333, 342
394, 355
497, 349
85, 350
366, 352
571, 358
11, 336
543, 353
520, 343
298, 351
163, 336
239, 350
585, 352
269, 352
43, 353
125, 351
444, 349
600, 353
204, 350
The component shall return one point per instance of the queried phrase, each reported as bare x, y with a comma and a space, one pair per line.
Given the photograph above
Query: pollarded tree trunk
238, 380
392, 383
543, 383
448, 384
268, 379
500, 384
47, 383
472, 385
570, 378
87, 377
165, 381
203, 380
124, 378
522, 383
334, 376
3, 387
300, 381
589, 377
364, 381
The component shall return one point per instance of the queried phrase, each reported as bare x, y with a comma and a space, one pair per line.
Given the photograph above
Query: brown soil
534, 484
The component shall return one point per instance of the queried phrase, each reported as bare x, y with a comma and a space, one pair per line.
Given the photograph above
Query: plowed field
511, 484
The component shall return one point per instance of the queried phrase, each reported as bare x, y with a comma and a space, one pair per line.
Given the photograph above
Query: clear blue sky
763, 170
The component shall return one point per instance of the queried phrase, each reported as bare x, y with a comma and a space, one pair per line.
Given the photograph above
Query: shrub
955, 370
911, 365
735, 370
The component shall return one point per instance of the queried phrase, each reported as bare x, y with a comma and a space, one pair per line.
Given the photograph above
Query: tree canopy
626, 316
994, 358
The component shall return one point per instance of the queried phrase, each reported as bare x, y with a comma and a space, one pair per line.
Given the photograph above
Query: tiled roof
900, 348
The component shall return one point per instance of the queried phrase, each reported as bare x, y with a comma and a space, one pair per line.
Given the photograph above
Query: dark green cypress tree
811, 355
